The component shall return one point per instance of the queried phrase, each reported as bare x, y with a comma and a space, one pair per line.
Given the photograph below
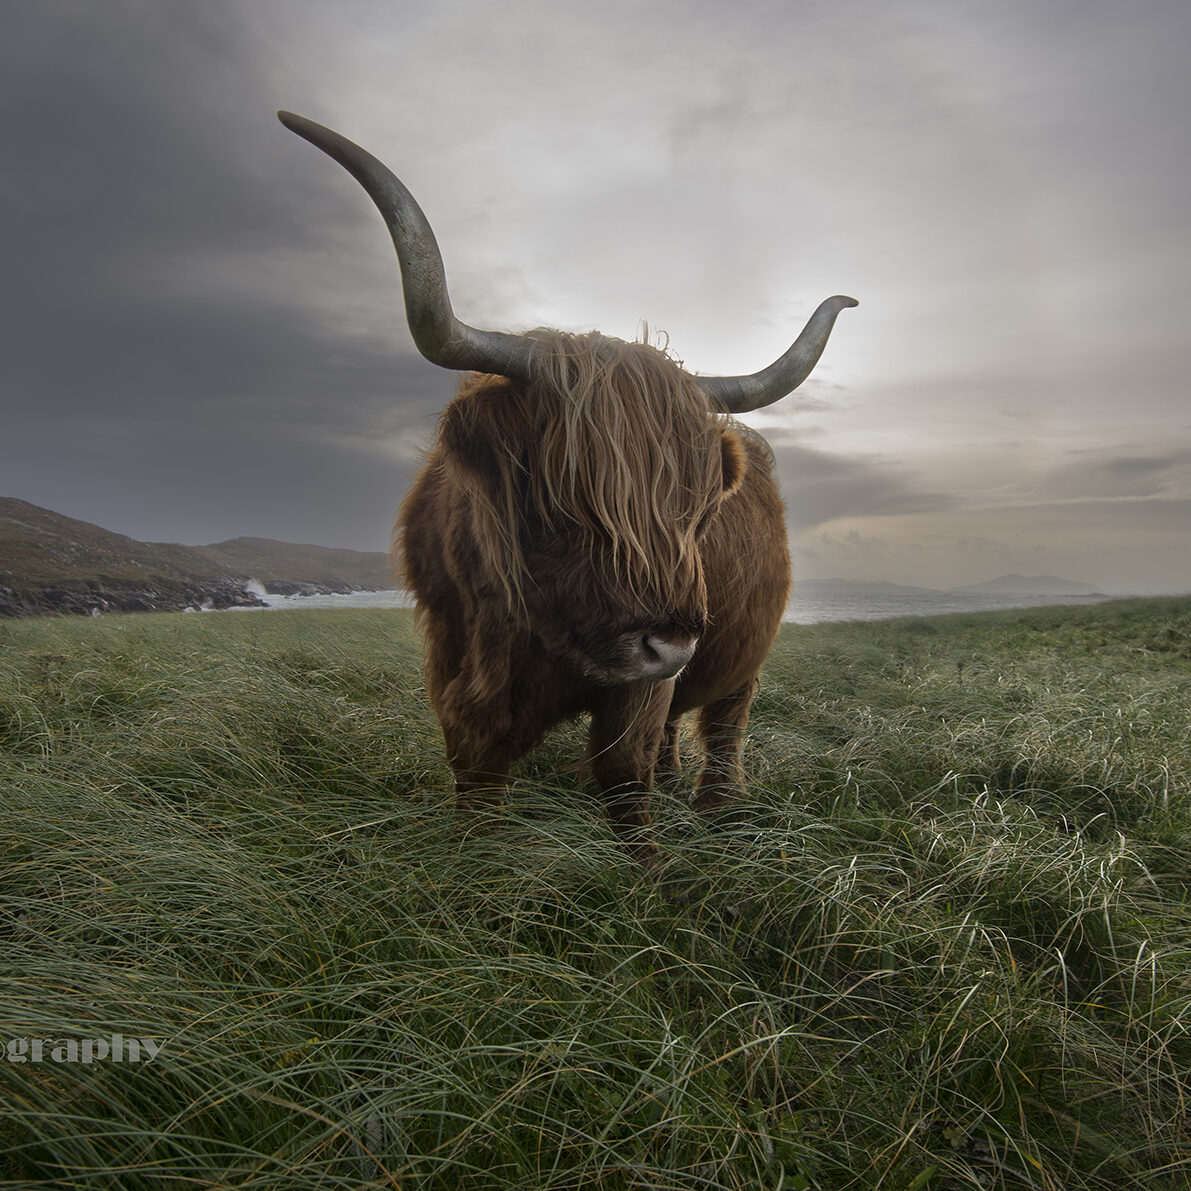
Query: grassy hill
948, 945
285, 568
49, 562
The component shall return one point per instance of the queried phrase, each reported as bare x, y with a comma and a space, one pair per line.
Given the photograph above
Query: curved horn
438, 334
739, 394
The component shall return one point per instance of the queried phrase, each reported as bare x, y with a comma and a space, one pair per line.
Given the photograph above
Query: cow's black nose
663, 655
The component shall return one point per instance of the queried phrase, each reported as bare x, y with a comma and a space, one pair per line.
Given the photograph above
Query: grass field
949, 947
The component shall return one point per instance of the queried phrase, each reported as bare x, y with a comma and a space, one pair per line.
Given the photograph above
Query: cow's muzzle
658, 656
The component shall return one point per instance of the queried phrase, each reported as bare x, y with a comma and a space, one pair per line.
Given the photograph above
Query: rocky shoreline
293, 587
96, 597
51, 564
93, 597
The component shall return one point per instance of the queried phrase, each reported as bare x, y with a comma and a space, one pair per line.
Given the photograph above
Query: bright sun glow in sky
203, 331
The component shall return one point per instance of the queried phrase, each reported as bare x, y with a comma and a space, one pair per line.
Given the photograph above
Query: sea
818, 608
805, 607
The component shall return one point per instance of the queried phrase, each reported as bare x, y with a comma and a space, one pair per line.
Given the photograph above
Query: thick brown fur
557, 522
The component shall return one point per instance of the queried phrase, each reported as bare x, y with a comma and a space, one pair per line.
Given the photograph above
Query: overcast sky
202, 332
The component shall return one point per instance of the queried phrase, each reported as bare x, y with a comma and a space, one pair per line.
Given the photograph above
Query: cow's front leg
669, 758
483, 742
486, 737
480, 762
722, 725
626, 732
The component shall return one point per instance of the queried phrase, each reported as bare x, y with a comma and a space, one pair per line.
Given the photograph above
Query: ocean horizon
804, 607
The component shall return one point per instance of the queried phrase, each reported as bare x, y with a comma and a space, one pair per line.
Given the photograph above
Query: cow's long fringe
627, 453
611, 441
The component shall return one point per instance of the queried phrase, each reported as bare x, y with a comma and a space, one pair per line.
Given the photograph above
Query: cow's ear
734, 461
483, 431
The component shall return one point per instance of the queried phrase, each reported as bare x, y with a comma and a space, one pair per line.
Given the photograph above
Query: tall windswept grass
946, 944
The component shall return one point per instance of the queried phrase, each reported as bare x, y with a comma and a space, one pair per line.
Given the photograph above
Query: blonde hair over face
623, 455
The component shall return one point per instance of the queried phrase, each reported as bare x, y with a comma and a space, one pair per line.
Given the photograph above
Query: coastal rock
50, 563
294, 587
93, 597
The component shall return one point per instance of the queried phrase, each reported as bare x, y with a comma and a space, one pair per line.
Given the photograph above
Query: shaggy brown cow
587, 536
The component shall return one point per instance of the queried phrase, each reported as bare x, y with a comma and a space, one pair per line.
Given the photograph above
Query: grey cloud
200, 316
1102, 475
170, 368
819, 487
1166, 519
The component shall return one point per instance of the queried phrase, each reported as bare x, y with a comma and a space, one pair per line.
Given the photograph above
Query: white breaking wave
354, 599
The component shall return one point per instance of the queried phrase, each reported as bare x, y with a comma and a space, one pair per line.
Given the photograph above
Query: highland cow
590, 534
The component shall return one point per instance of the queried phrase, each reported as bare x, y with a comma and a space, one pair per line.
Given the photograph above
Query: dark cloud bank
152, 383
201, 327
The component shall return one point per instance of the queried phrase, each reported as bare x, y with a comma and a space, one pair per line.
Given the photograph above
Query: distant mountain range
1033, 585
52, 563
